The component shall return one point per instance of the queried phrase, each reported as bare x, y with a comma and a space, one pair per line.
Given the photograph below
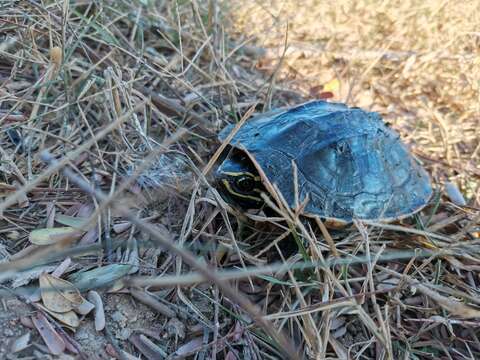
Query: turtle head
239, 182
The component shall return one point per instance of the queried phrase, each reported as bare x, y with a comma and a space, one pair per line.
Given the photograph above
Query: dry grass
126, 98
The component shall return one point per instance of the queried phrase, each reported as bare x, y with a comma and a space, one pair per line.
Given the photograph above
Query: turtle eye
245, 183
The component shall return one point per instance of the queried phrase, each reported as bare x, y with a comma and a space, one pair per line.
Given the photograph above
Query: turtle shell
349, 163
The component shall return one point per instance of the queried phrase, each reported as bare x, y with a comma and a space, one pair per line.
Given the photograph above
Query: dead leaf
121, 227
117, 286
72, 221
96, 300
98, 277
54, 235
84, 308
190, 347
59, 295
90, 236
62, 268
69, 318
332, 86
35, 296
85, 211
52, 339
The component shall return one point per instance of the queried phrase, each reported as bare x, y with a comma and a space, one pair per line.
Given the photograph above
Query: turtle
341, 163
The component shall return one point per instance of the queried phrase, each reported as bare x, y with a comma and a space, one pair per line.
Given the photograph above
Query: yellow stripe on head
243, 196
235, 174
